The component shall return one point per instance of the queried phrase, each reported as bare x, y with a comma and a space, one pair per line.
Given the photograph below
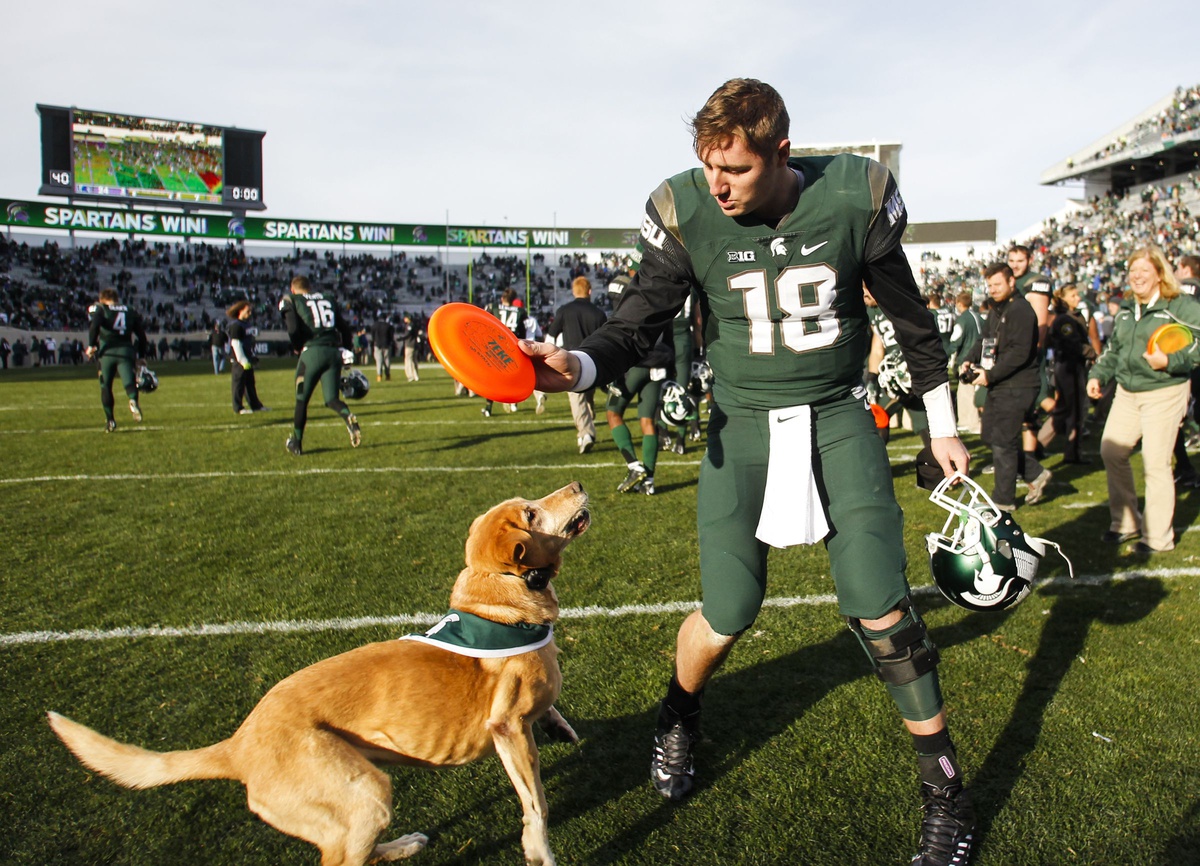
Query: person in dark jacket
1068, 338
573, 321
1005, 362
383, 335
241, 347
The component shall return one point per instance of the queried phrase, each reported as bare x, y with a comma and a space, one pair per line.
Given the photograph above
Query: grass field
159, 580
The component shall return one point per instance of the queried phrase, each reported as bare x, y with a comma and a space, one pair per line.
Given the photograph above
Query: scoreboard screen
124, 157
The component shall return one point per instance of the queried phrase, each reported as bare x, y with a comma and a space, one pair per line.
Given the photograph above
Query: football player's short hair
1021, 248
745, 107
1192, 263
581, 287
998, 268
1168, 285
508, 295
235, 309
301, 284
108, 295
965, 298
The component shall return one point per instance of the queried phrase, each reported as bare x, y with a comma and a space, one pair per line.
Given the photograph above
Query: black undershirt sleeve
647, 308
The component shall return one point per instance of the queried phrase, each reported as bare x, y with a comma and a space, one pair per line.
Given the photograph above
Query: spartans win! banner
132, 221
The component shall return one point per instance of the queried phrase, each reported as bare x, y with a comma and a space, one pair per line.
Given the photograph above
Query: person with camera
1005, 361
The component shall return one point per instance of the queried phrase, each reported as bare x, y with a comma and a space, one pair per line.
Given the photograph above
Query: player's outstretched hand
556, 368
951, 454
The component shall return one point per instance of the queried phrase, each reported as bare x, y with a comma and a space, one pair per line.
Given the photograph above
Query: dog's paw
558, 728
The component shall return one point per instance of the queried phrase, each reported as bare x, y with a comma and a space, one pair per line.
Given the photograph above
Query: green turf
198, 516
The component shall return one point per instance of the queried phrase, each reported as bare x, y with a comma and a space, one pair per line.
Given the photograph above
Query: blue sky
553, 113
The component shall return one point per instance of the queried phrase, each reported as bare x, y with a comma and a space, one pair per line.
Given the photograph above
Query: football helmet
702, 375
982, 560
676, 406
146, 381
355, 385
894, 378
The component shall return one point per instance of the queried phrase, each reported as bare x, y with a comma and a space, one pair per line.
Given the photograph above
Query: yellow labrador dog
474, 683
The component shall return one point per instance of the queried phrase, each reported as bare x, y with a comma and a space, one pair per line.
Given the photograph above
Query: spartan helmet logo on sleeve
982, 560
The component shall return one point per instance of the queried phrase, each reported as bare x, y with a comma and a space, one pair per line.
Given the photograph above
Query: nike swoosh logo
806, 250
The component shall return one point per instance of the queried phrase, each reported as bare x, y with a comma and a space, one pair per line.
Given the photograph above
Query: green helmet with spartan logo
982, 560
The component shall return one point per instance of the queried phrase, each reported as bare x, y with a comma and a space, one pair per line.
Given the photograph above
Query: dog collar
469, 635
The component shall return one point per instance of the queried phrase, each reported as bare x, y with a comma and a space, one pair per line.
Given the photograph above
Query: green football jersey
314, 319
1032, 282
785, 322
114, 328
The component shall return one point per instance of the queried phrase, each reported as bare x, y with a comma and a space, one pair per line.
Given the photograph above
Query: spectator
968, 326
218, 341
383, 334
1151, 400
409, 335
1068, 338
573, 321
241, 345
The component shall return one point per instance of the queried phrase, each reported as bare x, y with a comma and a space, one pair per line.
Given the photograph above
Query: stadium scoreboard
124, 157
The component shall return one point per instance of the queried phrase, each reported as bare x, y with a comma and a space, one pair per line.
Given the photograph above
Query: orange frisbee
1170, 337
478, 350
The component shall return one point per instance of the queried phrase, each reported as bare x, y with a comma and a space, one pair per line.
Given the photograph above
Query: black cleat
637, 474
355, 432
110, 426
293, 446
672, 768
948, 828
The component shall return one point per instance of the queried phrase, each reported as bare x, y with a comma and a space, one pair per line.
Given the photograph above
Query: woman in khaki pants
1151, 400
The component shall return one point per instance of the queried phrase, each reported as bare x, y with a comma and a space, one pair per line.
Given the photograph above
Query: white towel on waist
792, 512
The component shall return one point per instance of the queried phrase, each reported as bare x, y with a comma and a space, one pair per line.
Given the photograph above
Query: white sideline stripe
346, 470
590, 612
283, 421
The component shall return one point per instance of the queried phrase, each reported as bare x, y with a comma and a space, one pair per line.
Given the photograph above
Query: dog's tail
140, 768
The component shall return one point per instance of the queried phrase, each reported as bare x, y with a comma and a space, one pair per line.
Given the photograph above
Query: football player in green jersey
319, 333
510, 311
779, 249
112, 330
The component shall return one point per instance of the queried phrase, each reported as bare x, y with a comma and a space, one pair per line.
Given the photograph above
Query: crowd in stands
1181, 116
183, 287
1089, 247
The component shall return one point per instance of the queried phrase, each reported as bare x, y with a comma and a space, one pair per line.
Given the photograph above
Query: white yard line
419, 619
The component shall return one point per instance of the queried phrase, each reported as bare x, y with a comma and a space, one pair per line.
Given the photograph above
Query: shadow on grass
1062, 640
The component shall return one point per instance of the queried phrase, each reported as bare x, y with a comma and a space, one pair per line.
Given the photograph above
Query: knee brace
905, 659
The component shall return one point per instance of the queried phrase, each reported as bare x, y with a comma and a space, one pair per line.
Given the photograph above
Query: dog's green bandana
470, 635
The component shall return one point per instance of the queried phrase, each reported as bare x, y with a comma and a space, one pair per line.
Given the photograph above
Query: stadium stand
182, 288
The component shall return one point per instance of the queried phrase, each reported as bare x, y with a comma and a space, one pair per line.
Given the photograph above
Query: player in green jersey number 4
778, 250
117, 340
319, 333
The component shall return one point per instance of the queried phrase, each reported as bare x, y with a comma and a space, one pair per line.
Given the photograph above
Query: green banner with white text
135, 221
